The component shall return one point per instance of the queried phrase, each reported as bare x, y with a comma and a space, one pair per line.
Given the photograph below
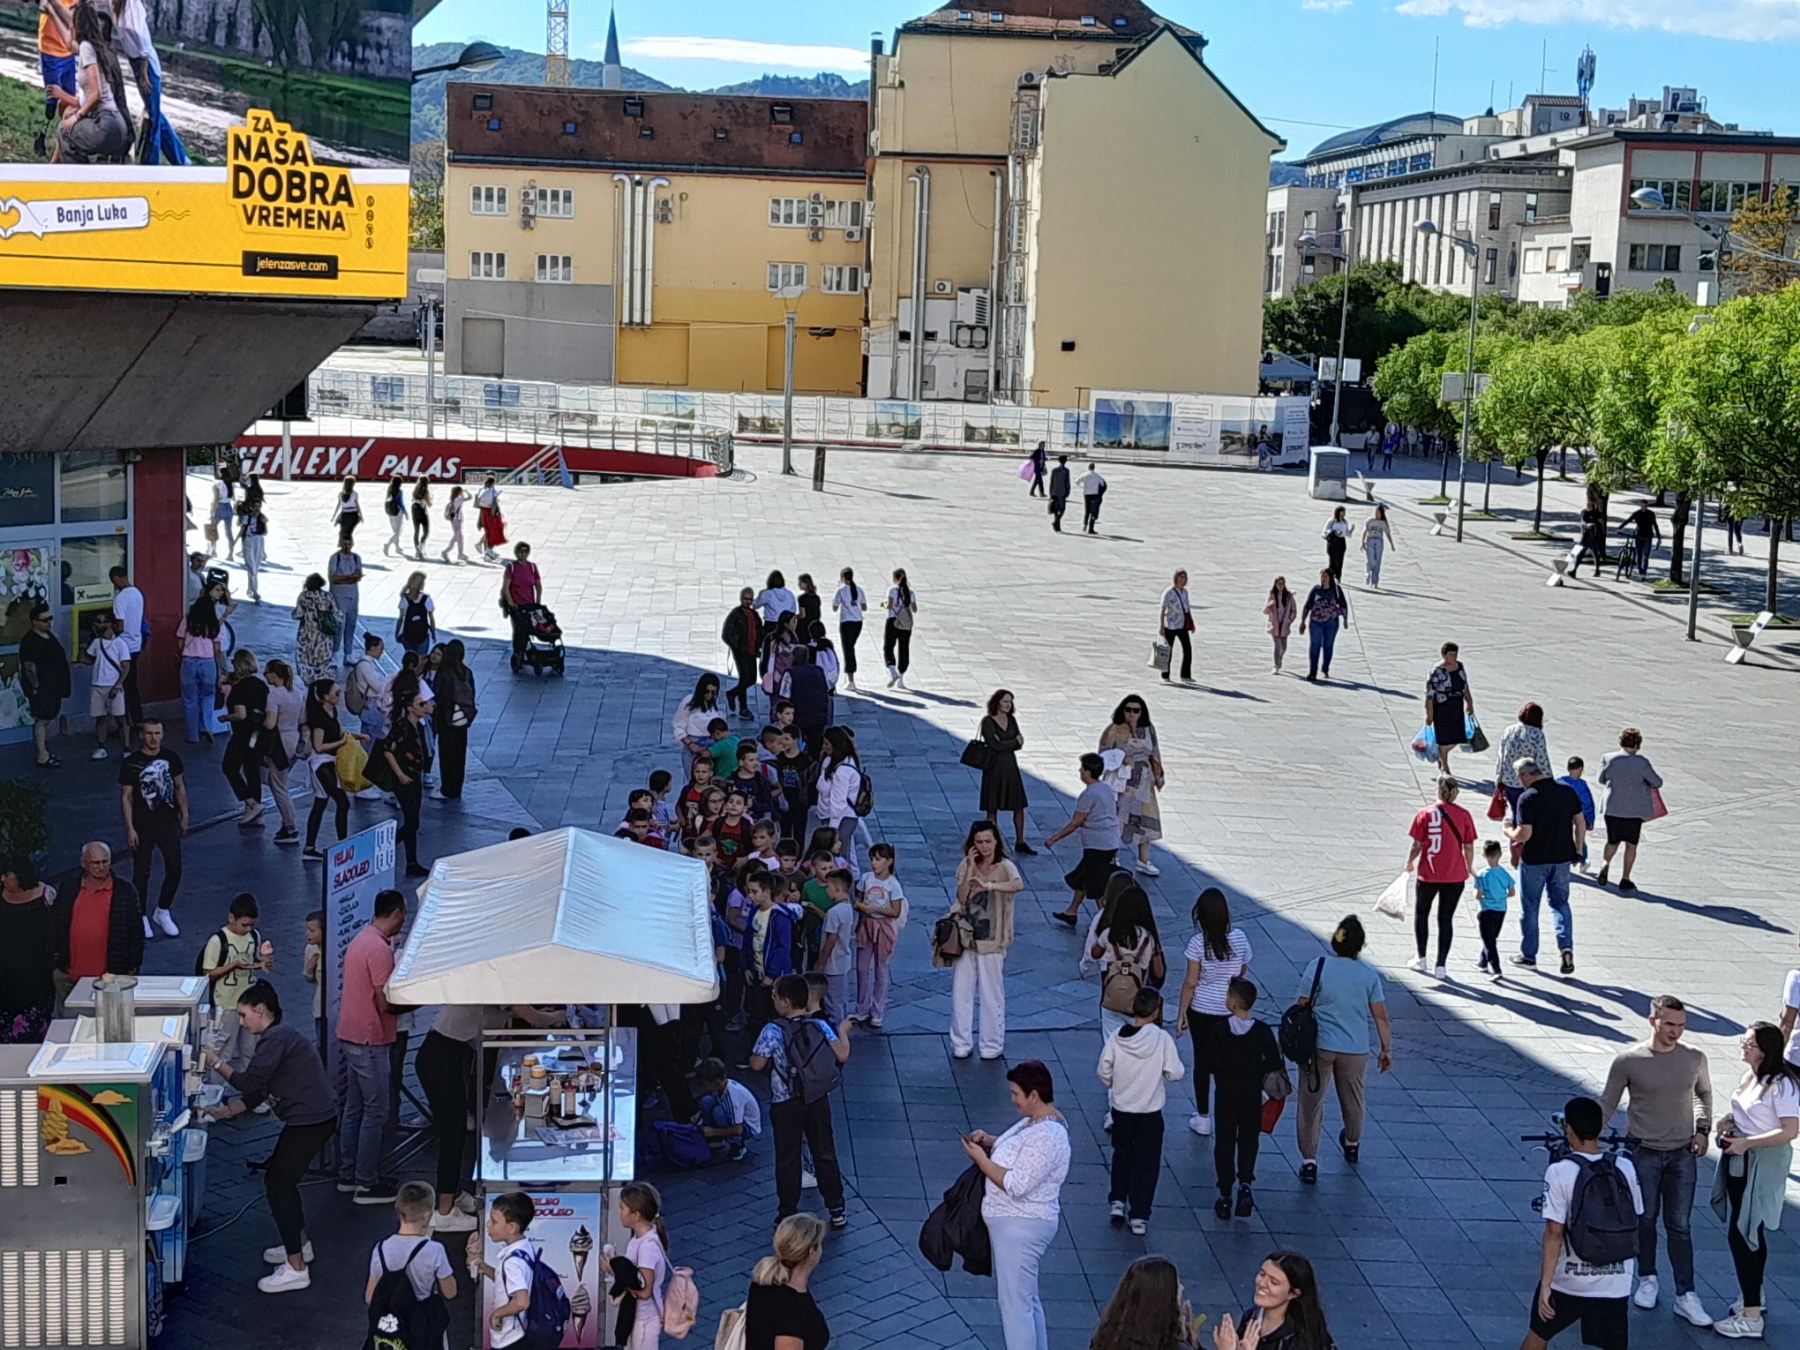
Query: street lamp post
476, 57
1340, 252
790, 299
1428, 227
1651, 199
1700, 321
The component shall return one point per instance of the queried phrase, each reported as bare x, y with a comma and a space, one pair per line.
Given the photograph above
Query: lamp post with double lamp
1429, 227
476, 57
1340, 251
790, 302
1651, 199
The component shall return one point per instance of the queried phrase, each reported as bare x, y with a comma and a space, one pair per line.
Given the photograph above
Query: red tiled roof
1036, 18
727, 133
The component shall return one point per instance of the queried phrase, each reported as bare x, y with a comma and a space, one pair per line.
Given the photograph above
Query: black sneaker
839, 1219
1600, 876
1626, 884
1309, 1174
287, 836
1245, 1205
312, 855
1351, 1151
1568, 960
384, 1192
1062, 918
1024, 850
1222, 1207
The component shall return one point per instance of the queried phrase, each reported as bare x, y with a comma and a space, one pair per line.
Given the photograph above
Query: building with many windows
611, 237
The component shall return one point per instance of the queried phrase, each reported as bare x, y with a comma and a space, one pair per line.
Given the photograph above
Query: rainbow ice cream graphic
581, 1246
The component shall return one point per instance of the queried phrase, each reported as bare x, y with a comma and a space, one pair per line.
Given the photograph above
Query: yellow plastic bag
352, 759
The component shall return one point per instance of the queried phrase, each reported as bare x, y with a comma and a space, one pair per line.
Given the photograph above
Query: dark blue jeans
1534, 880
1324, 639
1666, 1181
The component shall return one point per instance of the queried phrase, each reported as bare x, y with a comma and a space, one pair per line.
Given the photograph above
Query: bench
1442, 518
1744, 634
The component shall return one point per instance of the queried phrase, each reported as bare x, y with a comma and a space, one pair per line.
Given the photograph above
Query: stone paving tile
1293, 798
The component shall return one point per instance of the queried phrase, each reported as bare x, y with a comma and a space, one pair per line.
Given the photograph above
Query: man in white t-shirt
110, 658
1570, 1290
128, 609
1093, 488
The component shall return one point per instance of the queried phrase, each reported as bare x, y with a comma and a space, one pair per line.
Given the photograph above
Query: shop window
27, 489
85, 564
93, 486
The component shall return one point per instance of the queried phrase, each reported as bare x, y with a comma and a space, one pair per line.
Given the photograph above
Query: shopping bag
1425, 745
1657, 808
1497, 804
1026, 472
1160, 656
352, 760
1271, 1113
1392, 901
1478, 740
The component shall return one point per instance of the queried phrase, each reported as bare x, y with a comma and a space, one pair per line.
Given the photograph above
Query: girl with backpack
416, 628
1127, 951
840, 779
453, 512
1217, 954
640, 1273
896, 639
421, 516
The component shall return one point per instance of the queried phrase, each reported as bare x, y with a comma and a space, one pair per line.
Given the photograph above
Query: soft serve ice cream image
581, 1246
581, 1307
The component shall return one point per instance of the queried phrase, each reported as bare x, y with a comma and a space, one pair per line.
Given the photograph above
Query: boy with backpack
530, 1307
804, 1056
1243, 1054
1139, 1059
229, 961
1591, 1210
410, 1280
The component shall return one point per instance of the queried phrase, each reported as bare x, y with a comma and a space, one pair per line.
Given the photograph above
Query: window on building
93, 486
1554, 258
485, 266
781, 113
1654, 258
1493, 210
842, 280
1309, 266
1281, 227
1309, 223
1579, 253
783, 274
844, 215
802, 212
570, 128
1275, 284
1491, 272
493, 124
556, 202
1724, 198
555, 267
1677, 192
482, 102
486, 199
1531, 203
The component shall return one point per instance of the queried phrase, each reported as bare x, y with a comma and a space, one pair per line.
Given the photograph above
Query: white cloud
769, 55
1328, 6
1736, 20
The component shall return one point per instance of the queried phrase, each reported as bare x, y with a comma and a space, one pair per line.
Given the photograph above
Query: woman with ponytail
641, 1273
780, 1313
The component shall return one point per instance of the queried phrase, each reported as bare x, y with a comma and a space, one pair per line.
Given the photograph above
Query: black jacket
810, 695
125, 925
956, 1228
741, 631
1059, 481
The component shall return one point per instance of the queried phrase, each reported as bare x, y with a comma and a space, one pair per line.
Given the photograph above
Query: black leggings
242, 767
1334, 555
326, 788
1749, 1261
1172, 636
896, 646
294, 1153
421, 517
446, 1068
1491, 921
1200, 1027
848, 632
1446, 893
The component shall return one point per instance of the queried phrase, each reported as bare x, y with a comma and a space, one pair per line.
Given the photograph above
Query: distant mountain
1280, 174
528, 68
823, 85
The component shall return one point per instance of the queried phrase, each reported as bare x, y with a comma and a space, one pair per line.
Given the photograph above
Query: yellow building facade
1076, 200
611, 238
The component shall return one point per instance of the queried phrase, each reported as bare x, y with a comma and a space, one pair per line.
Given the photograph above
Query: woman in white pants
987, 884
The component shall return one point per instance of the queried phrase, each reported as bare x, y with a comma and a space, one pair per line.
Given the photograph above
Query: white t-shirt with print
1757, 1109
512, 1275
1573, 1275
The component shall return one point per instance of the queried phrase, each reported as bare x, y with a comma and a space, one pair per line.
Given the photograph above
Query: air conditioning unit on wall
852, 234
943, 286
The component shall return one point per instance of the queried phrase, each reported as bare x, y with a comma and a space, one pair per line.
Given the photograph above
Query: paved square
1294, 798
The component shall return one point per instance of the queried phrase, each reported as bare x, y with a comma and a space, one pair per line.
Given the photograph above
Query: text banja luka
276, 185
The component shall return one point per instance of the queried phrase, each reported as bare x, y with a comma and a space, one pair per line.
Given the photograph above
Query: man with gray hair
1549, 835
96, 924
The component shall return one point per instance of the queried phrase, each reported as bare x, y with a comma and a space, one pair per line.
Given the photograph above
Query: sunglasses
1134, 707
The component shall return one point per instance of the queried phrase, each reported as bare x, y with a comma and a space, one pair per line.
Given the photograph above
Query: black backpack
813, 1068
398, 1318
864, 803
1603, 1219
224, 935
1299, 1033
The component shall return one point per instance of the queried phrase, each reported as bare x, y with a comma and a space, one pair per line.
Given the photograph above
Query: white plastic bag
1392, 901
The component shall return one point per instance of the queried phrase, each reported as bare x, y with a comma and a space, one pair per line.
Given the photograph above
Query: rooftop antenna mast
1584, 76
556, 42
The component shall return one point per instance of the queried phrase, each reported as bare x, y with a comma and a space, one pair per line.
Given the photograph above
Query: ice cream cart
575, 918
91, 1190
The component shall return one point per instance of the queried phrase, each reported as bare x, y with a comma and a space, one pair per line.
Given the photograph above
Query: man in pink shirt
365, 1040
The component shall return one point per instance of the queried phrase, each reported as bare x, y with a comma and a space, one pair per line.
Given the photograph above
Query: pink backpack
681, 1303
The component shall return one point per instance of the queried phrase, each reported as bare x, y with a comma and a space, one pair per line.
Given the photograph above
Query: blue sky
1306, 67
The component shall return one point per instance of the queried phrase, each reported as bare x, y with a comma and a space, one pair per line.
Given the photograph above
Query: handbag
978, 755
1271, 1113
947, 937
1160, 656
1478, 740
1277, 1086
1657, 807
1497, 804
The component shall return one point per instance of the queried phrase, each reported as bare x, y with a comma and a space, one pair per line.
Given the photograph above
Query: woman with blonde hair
416, 628
780, 1312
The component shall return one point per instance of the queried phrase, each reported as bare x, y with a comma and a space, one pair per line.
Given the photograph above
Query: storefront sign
329, 458
27, 489
355, 870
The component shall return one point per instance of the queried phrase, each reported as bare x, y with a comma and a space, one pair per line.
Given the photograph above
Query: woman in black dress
1449, 703
27, 992
780, 1312
1002, 785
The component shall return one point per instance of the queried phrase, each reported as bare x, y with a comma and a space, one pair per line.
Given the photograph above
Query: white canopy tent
568, 916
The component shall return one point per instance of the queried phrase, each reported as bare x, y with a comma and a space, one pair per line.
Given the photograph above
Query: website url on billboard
319, 266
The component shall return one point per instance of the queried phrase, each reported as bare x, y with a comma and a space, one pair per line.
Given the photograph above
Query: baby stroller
543, 641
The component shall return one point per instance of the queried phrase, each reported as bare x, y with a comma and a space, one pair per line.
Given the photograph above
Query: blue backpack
683, 1145
547, 1314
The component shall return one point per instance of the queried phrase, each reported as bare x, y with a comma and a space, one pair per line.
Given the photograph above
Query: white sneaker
900, 681
277, 1255
1116, 1211
1647, 1289
1138, 1226
1417, 963
1148, 869
1200, 1125
284, 1279
99, 752
166, 922
467, 1203
453, 1222
1690, 1307
1440, 972
893, 676
1739, 1326
149, 932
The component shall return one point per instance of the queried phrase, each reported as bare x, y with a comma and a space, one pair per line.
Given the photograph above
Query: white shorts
103, 702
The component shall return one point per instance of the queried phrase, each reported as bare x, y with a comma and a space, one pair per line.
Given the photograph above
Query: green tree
1628, 424
1540, 397
427, 195
1765, 226
1733, 412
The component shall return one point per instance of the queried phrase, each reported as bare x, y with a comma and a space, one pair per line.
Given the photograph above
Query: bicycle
1555, 1143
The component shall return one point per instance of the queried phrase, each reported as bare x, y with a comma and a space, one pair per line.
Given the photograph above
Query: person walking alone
1326, 605
1663, 1082
1038, 461
1093, 491
742, 635
1633, 794
454, 711
1449, 703
1281, 609
1337, 541
896, 642
393, 503
453, 512
1002, 785
345, 572
421, 516
1176, 622
1059, 492
1378, 534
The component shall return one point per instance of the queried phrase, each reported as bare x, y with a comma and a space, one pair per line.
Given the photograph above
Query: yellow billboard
215, 146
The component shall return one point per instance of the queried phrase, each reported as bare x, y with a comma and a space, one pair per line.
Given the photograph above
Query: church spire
610, 72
